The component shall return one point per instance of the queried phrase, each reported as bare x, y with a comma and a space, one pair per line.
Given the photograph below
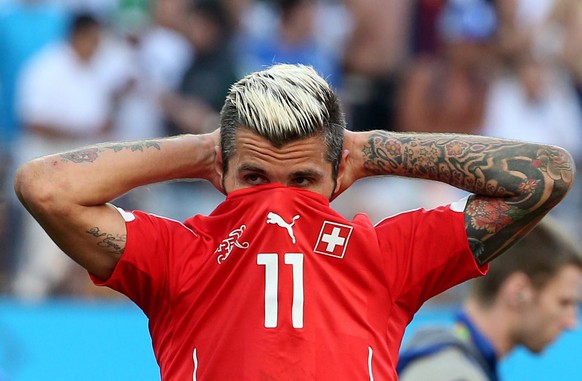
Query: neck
494, 323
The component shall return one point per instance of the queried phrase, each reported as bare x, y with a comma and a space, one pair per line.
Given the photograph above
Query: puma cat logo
274, 218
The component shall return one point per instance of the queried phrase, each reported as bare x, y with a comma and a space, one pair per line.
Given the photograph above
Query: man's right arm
68, 193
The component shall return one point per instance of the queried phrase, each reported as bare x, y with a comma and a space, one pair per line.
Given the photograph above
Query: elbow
24, 180
562, 169
36, 188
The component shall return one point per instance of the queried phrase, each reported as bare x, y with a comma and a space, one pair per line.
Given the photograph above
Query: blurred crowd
76, 72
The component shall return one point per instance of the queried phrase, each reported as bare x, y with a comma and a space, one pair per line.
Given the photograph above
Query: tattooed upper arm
112, 243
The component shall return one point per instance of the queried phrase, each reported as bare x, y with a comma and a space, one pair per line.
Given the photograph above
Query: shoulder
447, 364
141, 223
436, 353
47, 60
438, 215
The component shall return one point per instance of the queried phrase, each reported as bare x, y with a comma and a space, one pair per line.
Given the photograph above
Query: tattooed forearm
90, 154
516, 183
115, 243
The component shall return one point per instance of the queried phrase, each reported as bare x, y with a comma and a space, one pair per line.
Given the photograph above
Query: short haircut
282, 104
82, 22
213, 11
540, 255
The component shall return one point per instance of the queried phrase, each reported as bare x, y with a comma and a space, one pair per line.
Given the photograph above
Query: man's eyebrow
246, 167
307, 173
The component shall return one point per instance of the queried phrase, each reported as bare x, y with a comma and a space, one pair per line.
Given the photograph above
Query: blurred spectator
194, 107
293, 40
533, 102
377, 47
66, 99
447, 92
561, 38
530, 295
160, 56
424, 34
515, 31
25, 27
542, 28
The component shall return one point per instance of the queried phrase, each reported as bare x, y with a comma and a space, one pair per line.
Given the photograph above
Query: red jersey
276, 285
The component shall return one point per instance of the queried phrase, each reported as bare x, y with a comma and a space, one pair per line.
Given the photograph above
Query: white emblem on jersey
229, 242
333, 239
274, 218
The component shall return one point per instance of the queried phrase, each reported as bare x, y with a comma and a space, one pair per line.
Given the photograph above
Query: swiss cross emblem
333, 239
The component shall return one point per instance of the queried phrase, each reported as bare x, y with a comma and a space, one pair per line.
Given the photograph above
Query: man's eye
302, 181
255, 179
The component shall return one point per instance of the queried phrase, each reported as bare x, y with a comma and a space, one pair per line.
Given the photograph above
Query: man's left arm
514, 184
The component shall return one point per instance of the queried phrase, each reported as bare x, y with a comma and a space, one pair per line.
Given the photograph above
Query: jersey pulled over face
301, 163
275, 285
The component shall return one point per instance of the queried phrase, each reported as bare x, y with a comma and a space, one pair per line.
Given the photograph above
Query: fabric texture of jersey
275, 285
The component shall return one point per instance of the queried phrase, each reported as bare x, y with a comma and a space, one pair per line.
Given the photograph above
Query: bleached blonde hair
283, 103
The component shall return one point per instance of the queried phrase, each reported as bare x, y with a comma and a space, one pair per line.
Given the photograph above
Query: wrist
363, 152
200, 155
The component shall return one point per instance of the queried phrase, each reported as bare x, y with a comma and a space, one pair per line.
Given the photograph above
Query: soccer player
274, 284
530, 295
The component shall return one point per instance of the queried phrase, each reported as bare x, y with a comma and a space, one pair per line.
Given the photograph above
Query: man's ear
517, 290
339, 184
219, 170
218, 162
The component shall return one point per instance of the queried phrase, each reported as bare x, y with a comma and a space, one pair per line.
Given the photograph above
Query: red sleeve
428, 254
144, 270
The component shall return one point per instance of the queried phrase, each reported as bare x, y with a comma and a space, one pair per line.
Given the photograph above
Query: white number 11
271, 263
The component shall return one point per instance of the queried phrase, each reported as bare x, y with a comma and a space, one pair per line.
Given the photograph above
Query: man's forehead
277, 140
251, 142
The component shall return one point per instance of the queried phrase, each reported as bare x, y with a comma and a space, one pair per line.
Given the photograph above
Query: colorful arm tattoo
515, 183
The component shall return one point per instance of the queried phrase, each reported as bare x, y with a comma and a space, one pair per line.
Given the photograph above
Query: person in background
425, 39
530, 295
194, 106
66, 97
568, 14
160, 54
377, 48
447, 92
293, 40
